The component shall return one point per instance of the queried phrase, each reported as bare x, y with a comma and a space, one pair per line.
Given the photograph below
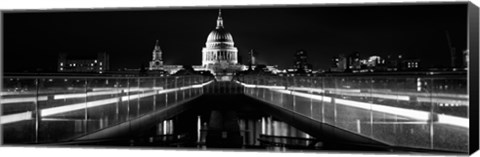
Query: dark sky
34, 39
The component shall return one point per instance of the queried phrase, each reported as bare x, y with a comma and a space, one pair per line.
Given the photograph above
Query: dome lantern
219, 19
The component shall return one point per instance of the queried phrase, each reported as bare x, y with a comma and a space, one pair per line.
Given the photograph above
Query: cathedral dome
219, 35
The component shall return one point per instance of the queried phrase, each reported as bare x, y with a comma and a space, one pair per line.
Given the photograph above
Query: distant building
353, 61
374, 61
98, 65
465, 59
339, 63
410, 64
392, 62
300, 61
401, 63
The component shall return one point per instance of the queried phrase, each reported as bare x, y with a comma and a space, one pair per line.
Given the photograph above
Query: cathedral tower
157, 61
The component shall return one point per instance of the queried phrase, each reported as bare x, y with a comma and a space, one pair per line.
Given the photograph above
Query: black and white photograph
375, 78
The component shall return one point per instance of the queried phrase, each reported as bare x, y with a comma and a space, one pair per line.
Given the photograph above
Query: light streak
137, 96
312, 96
77, 106
454, 120
69, 96
22, 99
16, 117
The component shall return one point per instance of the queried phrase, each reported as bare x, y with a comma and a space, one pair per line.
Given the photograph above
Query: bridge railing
428, 112
52, 109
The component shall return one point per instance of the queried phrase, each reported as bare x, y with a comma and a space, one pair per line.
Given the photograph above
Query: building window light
61, 63
74, 64
95, 61
61, 69
100, 63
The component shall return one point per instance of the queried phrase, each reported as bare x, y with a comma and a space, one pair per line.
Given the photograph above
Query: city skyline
276, 33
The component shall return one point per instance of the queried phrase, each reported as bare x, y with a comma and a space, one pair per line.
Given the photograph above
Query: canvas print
300, 78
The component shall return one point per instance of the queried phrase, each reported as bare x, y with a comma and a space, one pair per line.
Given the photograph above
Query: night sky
33, 40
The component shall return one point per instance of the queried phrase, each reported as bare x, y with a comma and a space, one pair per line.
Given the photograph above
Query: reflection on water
202, 132
207, 129
273, 134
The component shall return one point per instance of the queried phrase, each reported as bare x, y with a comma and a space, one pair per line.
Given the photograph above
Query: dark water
215, 126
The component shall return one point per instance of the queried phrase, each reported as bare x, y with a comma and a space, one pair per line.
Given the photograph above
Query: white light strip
137, 96
351, 92
248, 85
453, 120
132, 89
167, 91
101, 102
443, 101
307, 89
284, 91
62, 109
24, 99
312, 96
69, 96
78, 106
416, 114
383, 96
394, 97
16, 117
270, 87
343, 90
197, 86
4, 93
114, 91
103, 89
104, 93
208, 83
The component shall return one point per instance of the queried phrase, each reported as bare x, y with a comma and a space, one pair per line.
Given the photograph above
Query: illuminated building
339, 64
410, 64
300, 62
373, 61
353, 62
156, 65
219, 53
157, 61
98, 65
